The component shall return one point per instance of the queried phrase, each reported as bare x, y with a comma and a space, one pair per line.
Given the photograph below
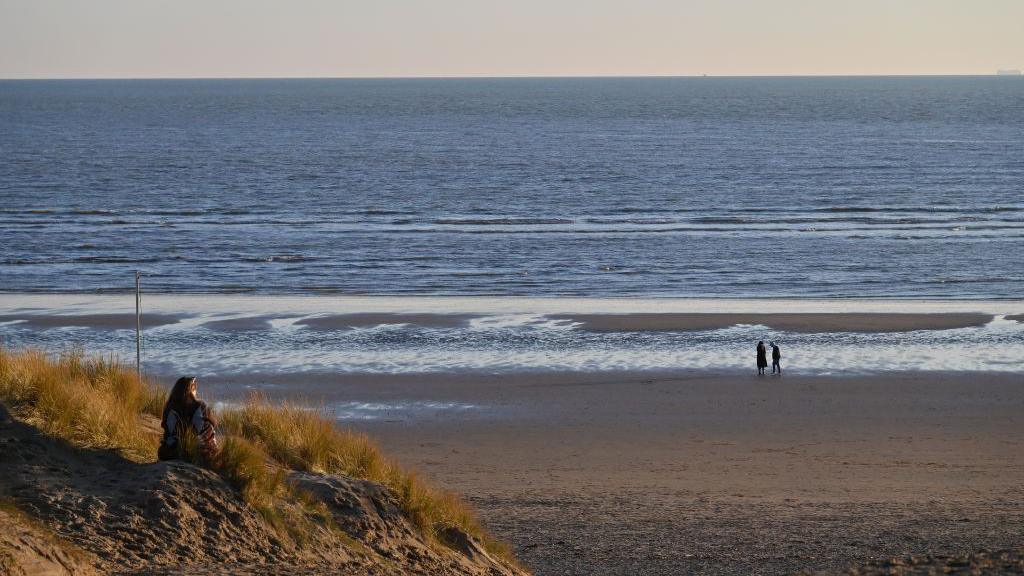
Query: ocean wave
755, 227
278, 258
379, 212
774, 219
966, 280
92, 212
650, 221
724, 220
115, 260
598, 231
643, 210
176, 212
501, 221
79, 260
963, 209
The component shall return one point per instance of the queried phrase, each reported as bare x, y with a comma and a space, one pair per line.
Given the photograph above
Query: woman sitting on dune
185, 414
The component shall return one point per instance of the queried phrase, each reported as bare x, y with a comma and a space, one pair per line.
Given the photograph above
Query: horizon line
503, 76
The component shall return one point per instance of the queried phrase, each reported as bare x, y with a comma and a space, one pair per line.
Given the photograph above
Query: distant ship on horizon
1008, 72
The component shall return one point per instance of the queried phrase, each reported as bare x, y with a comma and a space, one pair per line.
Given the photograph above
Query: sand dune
93, 508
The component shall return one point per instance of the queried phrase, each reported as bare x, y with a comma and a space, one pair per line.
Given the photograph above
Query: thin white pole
138, 326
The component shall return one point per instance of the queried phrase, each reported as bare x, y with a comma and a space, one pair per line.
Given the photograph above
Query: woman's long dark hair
179, 400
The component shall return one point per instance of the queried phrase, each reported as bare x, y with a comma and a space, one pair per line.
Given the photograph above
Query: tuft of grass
304, 439
97, 402
309, 440
244, 465
93, 402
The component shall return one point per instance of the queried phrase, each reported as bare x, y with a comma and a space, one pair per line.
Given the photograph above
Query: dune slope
173, 516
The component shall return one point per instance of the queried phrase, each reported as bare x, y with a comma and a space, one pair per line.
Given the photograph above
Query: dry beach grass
307, 440
90, 402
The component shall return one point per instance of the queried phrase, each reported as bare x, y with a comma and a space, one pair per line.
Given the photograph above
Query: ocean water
689, 187
279, 201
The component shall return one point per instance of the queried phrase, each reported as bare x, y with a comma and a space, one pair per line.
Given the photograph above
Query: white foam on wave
532, 321
401, 410
953, 350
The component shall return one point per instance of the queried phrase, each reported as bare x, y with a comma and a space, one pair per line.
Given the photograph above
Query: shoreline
542, 377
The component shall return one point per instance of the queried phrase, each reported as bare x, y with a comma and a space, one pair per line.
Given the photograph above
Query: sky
386, 38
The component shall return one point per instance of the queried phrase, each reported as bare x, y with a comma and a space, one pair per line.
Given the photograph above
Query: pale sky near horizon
340, 38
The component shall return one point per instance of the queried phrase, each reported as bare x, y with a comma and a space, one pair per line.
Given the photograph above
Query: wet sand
343, 321
242, 324
95, 321
729, 474
809, 322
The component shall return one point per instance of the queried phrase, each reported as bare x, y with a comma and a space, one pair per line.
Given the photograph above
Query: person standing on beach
776, 356
762, 358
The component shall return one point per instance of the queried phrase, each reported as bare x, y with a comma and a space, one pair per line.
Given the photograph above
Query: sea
764, 190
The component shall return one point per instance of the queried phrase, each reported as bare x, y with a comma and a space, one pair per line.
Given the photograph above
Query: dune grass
92, 402
261, 484
307, 439
97, 402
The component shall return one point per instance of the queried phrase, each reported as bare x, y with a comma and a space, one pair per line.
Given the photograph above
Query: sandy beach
674, 473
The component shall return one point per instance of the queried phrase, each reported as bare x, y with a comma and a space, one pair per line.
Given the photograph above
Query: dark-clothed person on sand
776, 357
762, 358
